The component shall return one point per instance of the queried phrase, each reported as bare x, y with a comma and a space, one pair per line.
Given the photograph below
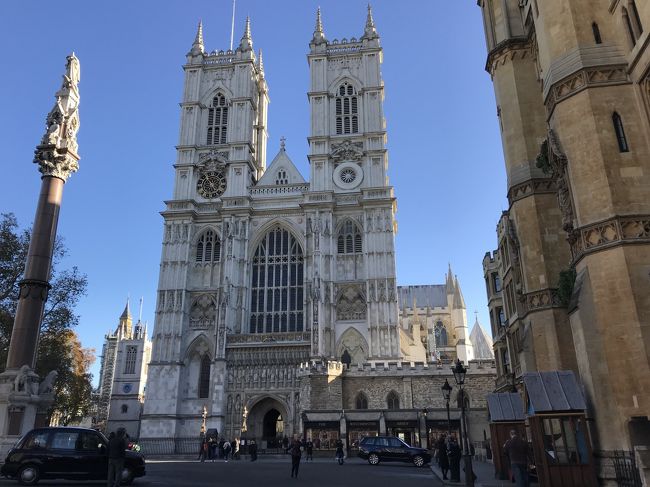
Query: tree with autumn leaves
59, 347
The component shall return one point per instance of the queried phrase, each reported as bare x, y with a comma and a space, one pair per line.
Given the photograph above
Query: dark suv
377, 449
66, 453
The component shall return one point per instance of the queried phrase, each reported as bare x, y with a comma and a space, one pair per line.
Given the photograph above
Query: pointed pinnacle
199, 34
370, 22
260, 62
319, 22
247, 31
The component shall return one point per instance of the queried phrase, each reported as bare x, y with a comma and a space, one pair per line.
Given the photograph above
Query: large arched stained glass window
277, 284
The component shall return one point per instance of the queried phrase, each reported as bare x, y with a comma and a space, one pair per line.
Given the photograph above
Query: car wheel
28, 475
127, 476
418, 461
373, 459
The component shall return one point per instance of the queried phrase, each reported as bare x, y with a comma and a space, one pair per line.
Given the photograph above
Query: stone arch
353, 80
284, 223
468, 399
355, 343
196, 351
258, 408
195, 347
219, 88
393, 400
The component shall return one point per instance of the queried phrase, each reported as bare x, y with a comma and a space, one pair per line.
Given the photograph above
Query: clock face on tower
126, 388
211, 184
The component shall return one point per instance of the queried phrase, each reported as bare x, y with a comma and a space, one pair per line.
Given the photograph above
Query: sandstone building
278, 310
568, 285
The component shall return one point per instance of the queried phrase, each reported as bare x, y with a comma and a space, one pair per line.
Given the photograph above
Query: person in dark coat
518, 453
309, 448
443, 458
116, 455
454, 454
295, 452
252, 449
340, 454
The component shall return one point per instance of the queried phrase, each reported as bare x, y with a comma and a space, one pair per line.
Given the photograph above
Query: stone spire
57, 155
126, 314
126, 322
246, 44
370, 32
319, 34
260, 63
197, 46
459, 302
450, 281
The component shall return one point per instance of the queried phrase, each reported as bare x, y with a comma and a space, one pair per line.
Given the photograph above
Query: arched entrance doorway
267, 423
273, 428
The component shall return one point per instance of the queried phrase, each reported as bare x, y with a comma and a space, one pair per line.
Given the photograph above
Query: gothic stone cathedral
264, 273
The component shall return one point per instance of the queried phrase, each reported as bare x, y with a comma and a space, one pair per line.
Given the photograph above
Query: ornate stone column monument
23, 401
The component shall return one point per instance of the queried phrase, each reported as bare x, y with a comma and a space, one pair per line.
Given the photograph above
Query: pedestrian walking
235, 449
227, 448
340, 454
454, 454
116, 454
518, 453
203, 449
220, 447
309, 449
285, 444
295, 452
252, 449
442, 457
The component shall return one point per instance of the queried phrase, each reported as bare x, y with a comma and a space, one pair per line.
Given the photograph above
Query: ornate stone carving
47, 386
558, 166
351, 304
57, 155
203, 312
530, 187
347, 151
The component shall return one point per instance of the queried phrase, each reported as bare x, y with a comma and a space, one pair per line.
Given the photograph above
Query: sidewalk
484, 472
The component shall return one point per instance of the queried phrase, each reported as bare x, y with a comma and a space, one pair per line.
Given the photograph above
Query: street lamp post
446, 393
204, 416
459, 375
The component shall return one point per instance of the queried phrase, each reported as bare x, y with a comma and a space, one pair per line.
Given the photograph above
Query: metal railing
170, 446
627, 473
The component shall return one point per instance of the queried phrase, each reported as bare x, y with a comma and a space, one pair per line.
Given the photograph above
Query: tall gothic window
277, 284
217, 121
620, 133
636, 17
131, 355
361, 401
441, 334
347, 110
392, 400
596, 31
208, 248
349, 239
204, 377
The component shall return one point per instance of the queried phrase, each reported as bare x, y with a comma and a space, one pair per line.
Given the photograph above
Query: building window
441, 335
347, 110
277, 284
462, 398
502, 317
392, 401
620, 133
208, 248
131, 355
496, 282
361, 402
217, 121
349, 239
635, 17
125, 408
596, 30
204, 377
281, 178
628, 24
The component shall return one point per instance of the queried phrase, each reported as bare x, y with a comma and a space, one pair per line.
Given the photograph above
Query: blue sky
445, 152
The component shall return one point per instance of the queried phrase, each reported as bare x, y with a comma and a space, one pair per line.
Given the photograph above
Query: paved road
272, 472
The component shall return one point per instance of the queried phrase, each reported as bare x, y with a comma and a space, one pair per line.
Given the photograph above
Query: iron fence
627, 473
170, 446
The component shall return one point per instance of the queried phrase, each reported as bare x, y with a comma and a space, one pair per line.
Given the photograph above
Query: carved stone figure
21, 382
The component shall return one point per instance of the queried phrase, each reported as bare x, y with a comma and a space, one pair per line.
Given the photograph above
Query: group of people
211, 449
448, 455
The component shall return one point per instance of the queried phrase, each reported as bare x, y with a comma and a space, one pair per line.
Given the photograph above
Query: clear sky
445, 152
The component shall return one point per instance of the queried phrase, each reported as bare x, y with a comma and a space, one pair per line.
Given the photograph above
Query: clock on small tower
211, 184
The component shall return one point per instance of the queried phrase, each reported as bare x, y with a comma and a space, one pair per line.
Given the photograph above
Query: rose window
348, 175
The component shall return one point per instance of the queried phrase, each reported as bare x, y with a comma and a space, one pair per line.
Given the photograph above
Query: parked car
377, 449
66, 453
